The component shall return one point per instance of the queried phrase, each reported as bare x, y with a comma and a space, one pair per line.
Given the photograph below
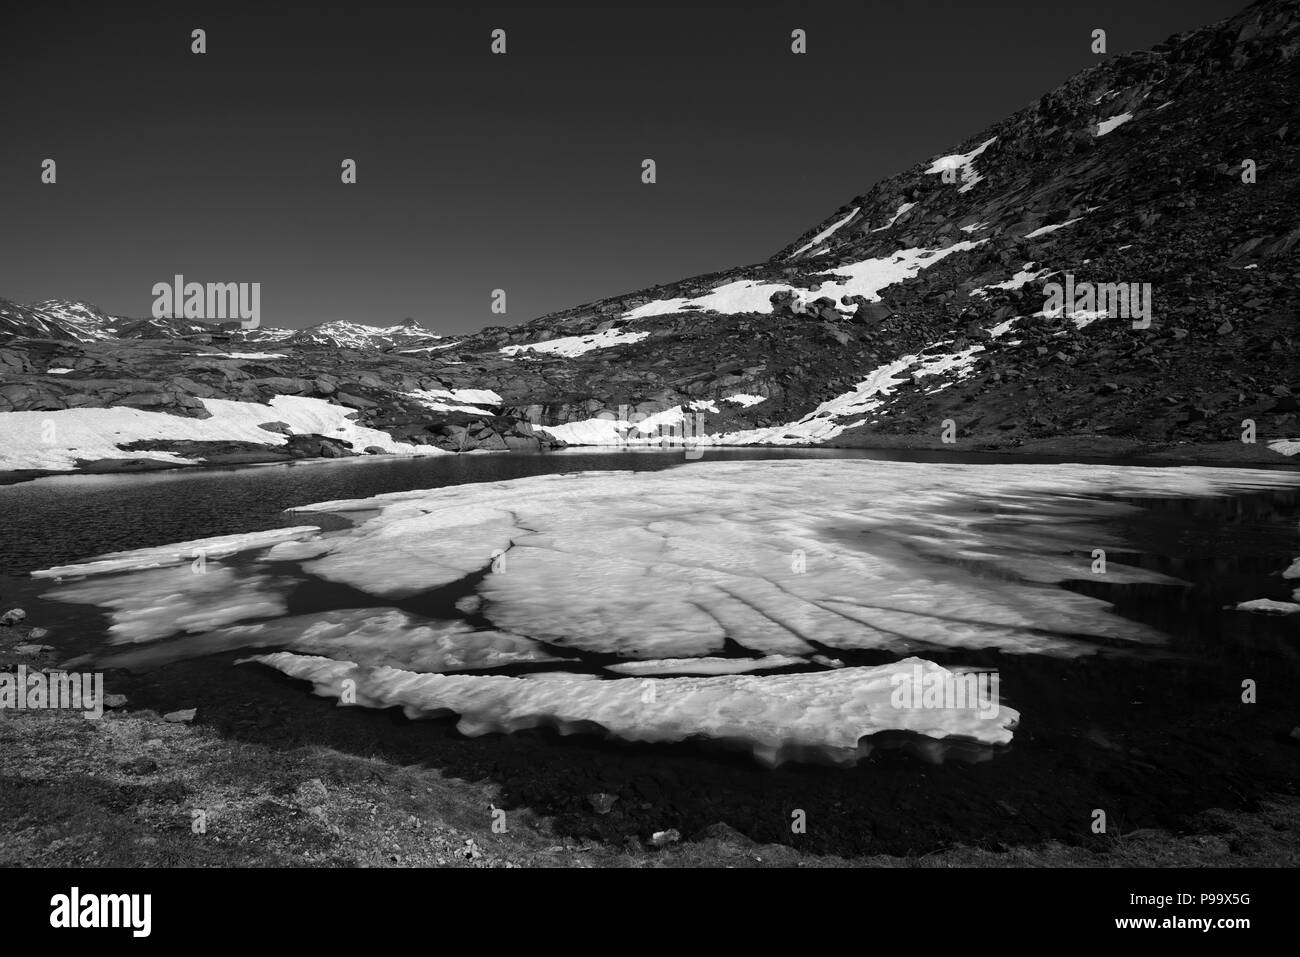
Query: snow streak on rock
824, 234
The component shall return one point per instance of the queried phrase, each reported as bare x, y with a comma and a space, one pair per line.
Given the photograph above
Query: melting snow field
709, 600
571, 346
825, 422
56, 440
865, 278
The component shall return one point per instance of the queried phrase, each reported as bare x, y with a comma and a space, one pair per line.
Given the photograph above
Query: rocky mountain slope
922, 309
1130, 172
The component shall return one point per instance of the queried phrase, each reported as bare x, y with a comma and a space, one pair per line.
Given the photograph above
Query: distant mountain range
946, 302
75, 321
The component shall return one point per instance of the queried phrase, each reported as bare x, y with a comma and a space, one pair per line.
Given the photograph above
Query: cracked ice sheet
219, 546
776, 717
375, 637
669, 564
651, 566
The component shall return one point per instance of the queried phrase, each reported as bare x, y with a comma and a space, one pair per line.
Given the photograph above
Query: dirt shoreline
138, 790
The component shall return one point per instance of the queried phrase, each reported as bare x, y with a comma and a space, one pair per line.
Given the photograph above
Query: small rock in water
183, 716
13, 616
38, 633
601, 802
664, 838
33, 649
114, 701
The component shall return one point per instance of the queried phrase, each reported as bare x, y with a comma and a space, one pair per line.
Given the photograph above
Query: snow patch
865, 279
1106, 126
461, 400
56, 440
965, 162
571, 346
1026, 275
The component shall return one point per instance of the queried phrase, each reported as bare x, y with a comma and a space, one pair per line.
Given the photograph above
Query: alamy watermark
209, 301
75, 910
22, 690
967, 691
1118, 300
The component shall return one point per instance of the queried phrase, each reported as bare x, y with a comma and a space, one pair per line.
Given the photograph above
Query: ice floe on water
154, 603
721, 569
1269, 606
776, 717
180, 553
375, 637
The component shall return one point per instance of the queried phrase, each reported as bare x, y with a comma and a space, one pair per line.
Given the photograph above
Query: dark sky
476, 171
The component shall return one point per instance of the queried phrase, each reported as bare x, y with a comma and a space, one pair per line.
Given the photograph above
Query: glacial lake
1153, 734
